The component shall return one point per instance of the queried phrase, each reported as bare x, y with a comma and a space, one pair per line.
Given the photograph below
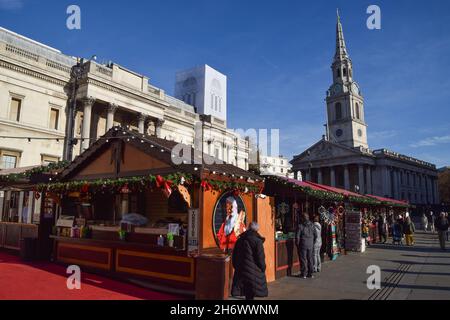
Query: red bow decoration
206, 185
85, 188
166, 185
159, 181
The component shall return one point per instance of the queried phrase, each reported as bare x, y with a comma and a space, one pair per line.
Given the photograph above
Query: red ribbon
85, 188
205, 185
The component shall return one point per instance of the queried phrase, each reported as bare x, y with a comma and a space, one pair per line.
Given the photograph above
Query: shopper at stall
382, 228
305, 239
397, 231
249, 264
442, 225
317, 245
409, 229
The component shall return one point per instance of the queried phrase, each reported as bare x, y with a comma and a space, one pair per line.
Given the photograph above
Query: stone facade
343, 158
38, 78
277, 166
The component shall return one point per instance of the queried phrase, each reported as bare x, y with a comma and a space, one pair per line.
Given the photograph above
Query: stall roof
383, 199
160, 149
344, 192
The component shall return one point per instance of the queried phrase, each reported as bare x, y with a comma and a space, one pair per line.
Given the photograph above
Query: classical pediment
323, 150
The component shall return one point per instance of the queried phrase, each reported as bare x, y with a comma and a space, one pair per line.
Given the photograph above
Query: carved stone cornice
31, 73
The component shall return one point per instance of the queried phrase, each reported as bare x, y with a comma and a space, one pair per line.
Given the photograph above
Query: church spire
341, 49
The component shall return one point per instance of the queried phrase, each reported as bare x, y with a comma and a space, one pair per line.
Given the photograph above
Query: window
14, 113
345, 72
338, 73
358, 114
48, 159
9, 161
338, 111
54, 118
281, 170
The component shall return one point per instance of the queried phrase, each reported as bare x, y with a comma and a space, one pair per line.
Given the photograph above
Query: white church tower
345, 104
204, 88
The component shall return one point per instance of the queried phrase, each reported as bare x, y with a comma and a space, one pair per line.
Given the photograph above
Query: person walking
249, 264
317, 245
409, 229
442, 225
424, 222
305, 239
382, 228
432, 222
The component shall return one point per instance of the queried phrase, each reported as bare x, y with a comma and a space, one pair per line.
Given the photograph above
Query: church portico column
332, 177
369, 180
346, 178
362, 188
112, 108
319, 176
87, 112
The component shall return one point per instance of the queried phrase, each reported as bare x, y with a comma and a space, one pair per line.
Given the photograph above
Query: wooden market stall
341, 214
133, 208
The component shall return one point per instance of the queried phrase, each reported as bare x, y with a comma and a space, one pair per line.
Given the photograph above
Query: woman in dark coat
249, 265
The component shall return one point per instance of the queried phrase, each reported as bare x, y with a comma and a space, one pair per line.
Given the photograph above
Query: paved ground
47, 281
419, 272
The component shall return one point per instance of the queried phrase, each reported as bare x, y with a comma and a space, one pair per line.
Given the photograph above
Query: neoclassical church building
343, 157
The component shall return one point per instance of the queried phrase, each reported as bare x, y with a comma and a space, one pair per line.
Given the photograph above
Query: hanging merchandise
334, 244
327, 216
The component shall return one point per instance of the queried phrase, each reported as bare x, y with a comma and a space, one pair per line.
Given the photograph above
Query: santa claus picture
232, 227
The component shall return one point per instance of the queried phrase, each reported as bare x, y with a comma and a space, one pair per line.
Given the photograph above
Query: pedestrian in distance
424, 222
317, 245
442, 225
249, 264
305, 239
409, 229
382, 228
432, 222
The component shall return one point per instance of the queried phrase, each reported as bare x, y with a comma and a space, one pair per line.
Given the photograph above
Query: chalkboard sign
353, 230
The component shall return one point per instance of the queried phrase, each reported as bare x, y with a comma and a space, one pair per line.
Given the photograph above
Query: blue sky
277, 57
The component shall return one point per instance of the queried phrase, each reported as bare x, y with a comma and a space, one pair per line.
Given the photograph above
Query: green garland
134, 184
14, 177
218, 185
365, 200
317, 194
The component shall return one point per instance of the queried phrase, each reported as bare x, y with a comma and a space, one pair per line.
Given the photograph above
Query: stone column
362, 188
369, 180
20, 205
308, 175
85, 133
112, 107
158, 125
332, 177
141, 120
30, 207
346, 178
436, 188
319, 176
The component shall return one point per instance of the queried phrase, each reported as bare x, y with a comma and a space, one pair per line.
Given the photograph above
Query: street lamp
76, 74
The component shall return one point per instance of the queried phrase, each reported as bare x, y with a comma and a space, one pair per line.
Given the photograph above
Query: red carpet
47, 281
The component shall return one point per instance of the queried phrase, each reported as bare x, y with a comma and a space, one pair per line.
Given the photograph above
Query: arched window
338, 107
338, 72
358, 113
345, 72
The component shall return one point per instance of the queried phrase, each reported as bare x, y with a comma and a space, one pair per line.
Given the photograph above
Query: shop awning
389, 201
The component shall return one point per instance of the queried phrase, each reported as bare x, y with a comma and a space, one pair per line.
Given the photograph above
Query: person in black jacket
305, 238
249, 264
442, 226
